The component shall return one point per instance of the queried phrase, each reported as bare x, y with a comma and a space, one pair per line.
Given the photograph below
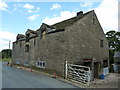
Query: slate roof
20, 35
43, 26
31, 31
68, 22
60, 26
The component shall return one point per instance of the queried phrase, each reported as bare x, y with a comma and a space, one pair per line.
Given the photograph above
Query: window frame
40, 64
27, 48
93, 21
43, 34
26, 63
34, 41
101, 43
20, 43
27, 37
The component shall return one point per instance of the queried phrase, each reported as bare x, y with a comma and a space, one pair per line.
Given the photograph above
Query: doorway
87, 62
96, 69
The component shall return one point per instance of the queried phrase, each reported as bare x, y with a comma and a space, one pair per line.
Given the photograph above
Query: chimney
80, 13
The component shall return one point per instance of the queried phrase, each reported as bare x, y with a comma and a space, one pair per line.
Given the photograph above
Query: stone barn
117, 62
79, 40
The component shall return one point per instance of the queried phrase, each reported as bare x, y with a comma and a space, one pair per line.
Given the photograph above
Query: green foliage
111, 56
6, 53
113, 38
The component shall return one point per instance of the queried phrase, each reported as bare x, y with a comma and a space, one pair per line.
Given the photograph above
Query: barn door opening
96, 69
88, 62
105, 67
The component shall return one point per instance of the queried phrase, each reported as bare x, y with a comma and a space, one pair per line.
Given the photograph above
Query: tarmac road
17, 78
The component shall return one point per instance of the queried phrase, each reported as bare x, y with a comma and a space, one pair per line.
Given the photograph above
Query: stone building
117, 62
78, 40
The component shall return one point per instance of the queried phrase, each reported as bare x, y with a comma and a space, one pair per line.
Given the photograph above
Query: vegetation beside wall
48, 71
6, 53
44, 70
6, 59
113, 38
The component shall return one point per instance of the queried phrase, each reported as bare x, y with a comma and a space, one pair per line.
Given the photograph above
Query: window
27, 48
26, 63
105, 63
101, 43
41, 64
17, 62
20, 44
34, 41
38, 63
27, 37
93, 21
43, 35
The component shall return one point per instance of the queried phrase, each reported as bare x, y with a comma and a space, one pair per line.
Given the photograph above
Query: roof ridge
70, 21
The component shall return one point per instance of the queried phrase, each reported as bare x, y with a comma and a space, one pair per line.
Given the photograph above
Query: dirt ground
110, 81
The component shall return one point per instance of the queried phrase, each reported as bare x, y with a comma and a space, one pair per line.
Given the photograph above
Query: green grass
6, 59
45, 70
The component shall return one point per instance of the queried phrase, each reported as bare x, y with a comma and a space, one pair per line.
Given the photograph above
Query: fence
78, 73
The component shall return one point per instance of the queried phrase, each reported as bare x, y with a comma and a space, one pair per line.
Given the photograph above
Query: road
18, 78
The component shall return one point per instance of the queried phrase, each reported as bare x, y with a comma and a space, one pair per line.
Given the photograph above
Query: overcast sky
17, 17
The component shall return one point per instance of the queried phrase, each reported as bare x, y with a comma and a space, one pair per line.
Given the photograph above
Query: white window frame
41, 64
26, 63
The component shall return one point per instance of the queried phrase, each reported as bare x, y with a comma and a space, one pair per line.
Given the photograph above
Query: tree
113, 38
6, 53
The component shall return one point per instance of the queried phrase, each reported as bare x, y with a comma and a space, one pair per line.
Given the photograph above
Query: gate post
89, 77
65, 69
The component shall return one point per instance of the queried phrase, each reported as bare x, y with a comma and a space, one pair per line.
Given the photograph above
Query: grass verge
44, 70
6, 59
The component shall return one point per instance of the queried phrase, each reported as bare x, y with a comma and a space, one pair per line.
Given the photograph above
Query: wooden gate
78, 74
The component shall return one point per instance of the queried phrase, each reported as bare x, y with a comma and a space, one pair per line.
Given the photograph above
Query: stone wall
78, 41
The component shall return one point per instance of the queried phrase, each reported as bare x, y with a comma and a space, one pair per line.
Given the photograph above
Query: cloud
38, 8
4, 6
17, 5
107, 13
30, 11
33, 17
28, 6
33, 11
119, 17
86, 4
5, 37
55, 6
14, 9
63, 16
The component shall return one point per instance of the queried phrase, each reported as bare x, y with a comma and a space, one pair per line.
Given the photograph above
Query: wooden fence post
65, 69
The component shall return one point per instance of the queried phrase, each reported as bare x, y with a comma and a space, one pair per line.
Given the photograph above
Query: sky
17, 17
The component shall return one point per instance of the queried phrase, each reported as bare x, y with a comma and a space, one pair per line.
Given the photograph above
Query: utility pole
9, 49
9, 44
